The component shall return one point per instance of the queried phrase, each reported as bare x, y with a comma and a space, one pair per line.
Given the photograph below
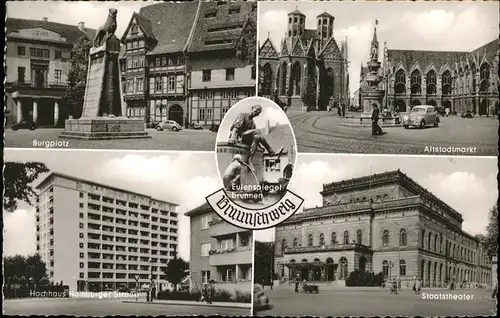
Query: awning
308, 264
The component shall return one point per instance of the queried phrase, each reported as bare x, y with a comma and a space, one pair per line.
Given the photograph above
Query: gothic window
385, 268
484, 76
283, 246
431, 82
334, 238
402, 237
295, 242
385, 238
416, 82
359, 237
402, 268
310, 240
400, 83
446, 83
346, 237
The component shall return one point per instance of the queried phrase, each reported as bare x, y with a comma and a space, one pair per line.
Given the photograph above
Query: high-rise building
38, 60
95, 237
219, 251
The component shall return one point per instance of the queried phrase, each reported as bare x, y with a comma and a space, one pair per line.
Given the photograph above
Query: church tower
296, 24
324, 29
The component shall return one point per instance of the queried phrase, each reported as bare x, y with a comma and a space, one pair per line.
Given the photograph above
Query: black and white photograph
255, 153
126, 75
383, 236
123, 234
384, 77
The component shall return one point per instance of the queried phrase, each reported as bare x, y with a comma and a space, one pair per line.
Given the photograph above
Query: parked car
421, 116
441, 111
214, 128
196, 126
24, 125
467, 114
260, 300
168, 125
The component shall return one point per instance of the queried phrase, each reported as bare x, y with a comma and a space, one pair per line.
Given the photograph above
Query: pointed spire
374, 44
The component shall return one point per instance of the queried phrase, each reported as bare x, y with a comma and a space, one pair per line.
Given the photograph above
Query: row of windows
403, 239
207, 75
35, 52
166, 61
21, 76
166, 84
135, 44
135, 62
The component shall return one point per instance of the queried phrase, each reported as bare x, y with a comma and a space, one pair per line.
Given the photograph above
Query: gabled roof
202, 209
219, 27
267, 50
71, 32
331, 51
280, 136
170, 23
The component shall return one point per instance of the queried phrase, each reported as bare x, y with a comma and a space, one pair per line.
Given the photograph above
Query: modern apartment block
219, 251
95, 237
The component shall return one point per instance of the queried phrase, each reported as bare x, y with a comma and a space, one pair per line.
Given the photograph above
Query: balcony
219, 227
234, 257
41, 84
327, 248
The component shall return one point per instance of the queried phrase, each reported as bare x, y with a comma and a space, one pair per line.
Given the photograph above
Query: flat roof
73, 178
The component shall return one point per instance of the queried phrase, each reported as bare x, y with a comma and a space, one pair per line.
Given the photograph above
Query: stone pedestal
225, 154
104, 128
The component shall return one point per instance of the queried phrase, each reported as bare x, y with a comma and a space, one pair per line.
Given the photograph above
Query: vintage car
24, 125
467, 114
168, 125
196, 126
260, 300
421, 116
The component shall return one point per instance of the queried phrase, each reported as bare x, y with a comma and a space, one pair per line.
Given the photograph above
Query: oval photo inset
256, 155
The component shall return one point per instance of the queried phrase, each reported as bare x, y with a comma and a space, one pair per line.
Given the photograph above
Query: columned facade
386, 224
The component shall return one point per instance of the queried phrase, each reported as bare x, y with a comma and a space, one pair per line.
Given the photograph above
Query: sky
270, 112
181, 177
433, 25
93, 13
467, 184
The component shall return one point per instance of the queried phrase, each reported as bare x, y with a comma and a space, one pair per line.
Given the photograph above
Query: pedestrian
211, 291
343, 110
376, 130
153, 293
296, 285
495, 291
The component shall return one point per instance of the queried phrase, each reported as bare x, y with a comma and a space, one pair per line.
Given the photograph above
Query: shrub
363, 278
242, 297
222, 295
309, 94
219, 296
176, 295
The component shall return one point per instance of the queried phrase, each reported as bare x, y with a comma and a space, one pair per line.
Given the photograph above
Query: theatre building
192, 72
305, 54
382, 223
219, 251
459, 81
38, 60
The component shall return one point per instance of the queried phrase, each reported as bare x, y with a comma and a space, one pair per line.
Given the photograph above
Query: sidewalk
192, 303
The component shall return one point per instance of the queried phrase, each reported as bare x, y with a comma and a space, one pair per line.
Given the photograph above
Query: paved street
377, 302
196, 140
322, 132
106, 307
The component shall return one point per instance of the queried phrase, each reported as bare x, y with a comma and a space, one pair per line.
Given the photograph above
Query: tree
309, 94
77, 78
491, 238
36, 269
176, 271
264, 259
14, 270
19, 177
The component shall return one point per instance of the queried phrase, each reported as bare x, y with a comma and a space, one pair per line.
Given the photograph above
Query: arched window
283, 246
431, 82
310, 240
416, 82
402, 237
440, 243
321, 239
346, 237
402, 268
484, 77
295, 242
359, 237
429, 241
446, 83
422, 243
334, 238
436, 243
400, 83
385, 238
385, 268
